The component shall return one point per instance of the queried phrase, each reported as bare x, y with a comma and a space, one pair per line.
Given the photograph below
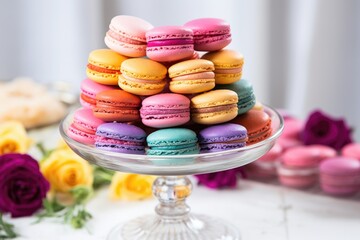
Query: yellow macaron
213, 107
228, 65
192, 76
142, 76
104, 66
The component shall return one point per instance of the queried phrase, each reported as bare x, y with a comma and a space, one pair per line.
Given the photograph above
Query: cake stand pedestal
173, 220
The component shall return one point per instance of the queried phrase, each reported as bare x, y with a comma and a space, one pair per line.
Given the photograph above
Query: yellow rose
65, 170
131, 186
13, 138
62, 145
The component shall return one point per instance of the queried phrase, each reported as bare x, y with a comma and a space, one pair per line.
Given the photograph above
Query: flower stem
6, 228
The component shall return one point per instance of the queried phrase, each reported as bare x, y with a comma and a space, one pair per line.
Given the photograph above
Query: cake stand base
189, 227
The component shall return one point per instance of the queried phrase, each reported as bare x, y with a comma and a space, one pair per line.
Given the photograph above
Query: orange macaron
213, 107
117, 105
142, 76
228, 65
257, 123
104, 66
192, 76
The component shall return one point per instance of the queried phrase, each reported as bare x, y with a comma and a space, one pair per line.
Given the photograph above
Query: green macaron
172, 141
245, 92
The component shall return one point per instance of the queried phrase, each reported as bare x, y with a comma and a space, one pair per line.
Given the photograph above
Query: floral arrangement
58, 186
318, 128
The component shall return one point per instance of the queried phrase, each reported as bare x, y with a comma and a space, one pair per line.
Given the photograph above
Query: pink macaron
84, 125
210, 34
165, 110
88, 91
298, 166
265, 167
340, 176
126, 35
351, 150
169, 43
291, 135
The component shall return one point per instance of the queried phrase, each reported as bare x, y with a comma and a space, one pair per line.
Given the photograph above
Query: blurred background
299, 55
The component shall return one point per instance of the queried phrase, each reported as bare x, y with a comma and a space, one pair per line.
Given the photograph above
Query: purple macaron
222, 137
120, 137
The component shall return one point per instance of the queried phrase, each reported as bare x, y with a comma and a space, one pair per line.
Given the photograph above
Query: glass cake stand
173, 220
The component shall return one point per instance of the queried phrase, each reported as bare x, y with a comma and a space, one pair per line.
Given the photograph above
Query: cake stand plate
173, 220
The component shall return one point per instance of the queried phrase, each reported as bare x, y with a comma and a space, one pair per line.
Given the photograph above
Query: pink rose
22, 186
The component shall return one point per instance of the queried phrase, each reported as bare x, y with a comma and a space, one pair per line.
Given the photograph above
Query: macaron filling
102, 69
123, 38
195, 76
88, 99
214, 108
170, 42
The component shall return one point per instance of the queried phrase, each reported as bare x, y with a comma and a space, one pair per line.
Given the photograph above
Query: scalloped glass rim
175, 164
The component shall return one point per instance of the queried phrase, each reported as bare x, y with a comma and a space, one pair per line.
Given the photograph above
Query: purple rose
322, 129
22, 186
217, 180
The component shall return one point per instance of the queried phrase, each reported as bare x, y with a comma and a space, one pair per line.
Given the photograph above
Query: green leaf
102, 176
81, 194
6, 228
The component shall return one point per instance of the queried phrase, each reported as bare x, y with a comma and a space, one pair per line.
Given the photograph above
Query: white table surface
260, 211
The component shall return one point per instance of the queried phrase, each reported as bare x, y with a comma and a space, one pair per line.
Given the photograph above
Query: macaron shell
85, 121
80, 136
228, 65
214, 107
117, 105
169, 43
171, 137
128, 28
351, 150
214, 98
104, 66
190, 67
272, 155
258, 124
210, 34
141, 68
141, 87
191, 86
170, 53
244, 90
165, 110
121, 131
221, 133
89, 89
340, 176
120, 146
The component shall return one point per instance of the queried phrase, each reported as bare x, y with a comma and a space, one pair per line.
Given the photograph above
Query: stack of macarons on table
167, 90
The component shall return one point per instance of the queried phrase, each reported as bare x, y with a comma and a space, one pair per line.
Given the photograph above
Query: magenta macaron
264, 168
210, 34
165, 110
351, 150
298, 166
340, 176
88, 91
84, 125
169, 43
126, 35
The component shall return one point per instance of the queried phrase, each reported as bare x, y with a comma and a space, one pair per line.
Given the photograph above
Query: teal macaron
245, 92
172, 141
